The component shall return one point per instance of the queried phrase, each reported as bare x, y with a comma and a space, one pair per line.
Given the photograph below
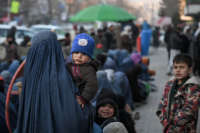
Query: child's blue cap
83, 43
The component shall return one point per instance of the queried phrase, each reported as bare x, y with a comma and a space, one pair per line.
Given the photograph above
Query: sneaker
137, 116
169, 74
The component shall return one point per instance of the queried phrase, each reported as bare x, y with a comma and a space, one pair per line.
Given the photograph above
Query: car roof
41, 26
5, 26
23, 28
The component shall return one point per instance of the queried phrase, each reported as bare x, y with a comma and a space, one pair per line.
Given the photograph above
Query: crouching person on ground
107, 117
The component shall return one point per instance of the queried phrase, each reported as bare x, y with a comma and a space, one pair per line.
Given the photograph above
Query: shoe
169, 74
137, 116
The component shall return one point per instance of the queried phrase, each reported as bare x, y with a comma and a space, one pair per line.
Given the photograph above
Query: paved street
148, 122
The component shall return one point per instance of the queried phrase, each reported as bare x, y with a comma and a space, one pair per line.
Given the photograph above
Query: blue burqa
12, 114
145, 39
48, 104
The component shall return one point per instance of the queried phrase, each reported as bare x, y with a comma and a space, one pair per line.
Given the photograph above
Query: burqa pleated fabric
12, 113
48, 104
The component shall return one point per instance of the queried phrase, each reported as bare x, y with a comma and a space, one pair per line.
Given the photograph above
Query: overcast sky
150, 7
148, 2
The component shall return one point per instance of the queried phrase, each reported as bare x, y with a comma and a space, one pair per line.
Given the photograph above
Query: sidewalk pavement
148, 122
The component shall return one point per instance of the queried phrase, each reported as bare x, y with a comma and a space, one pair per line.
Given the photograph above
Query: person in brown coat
10, 49
83, 68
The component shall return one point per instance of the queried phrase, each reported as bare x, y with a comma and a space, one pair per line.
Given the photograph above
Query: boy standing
178, 108
83, 68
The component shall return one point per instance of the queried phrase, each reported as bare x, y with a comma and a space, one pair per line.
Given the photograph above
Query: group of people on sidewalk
95, 95
182, 39
56, 96
78, 87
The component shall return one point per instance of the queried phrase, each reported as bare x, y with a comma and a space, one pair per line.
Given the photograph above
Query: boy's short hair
183, 58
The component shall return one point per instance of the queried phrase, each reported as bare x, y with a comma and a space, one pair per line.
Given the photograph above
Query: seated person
107, 117
111, 109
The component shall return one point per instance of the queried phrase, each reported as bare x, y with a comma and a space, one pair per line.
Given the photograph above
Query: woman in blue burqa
48, 104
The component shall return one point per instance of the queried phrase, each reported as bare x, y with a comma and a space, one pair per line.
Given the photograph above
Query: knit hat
115, 127
83, 43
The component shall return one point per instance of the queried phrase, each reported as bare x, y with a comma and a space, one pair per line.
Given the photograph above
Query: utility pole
69, 7
8, 10
152, 12
50, 9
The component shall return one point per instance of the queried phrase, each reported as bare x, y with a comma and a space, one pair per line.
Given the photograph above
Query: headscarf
48, 104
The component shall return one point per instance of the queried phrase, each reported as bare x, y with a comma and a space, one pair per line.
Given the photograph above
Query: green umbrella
102, 12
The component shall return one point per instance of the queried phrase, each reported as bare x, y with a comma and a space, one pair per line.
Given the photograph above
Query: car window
19, 34
40, 29
61, 32
22, 33
3, 32
28, 33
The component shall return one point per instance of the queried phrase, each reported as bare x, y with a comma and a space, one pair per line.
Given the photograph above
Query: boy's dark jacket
85, 78
182, 117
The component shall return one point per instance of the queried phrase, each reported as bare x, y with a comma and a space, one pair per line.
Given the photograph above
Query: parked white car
21, 31
162, 37
41, 27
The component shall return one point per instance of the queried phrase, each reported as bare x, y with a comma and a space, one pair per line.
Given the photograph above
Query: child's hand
128, 108
82, 105
80, 101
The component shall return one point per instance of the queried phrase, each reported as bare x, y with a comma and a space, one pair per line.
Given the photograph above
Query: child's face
80, 58
181, 70
106, 111
9, 39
